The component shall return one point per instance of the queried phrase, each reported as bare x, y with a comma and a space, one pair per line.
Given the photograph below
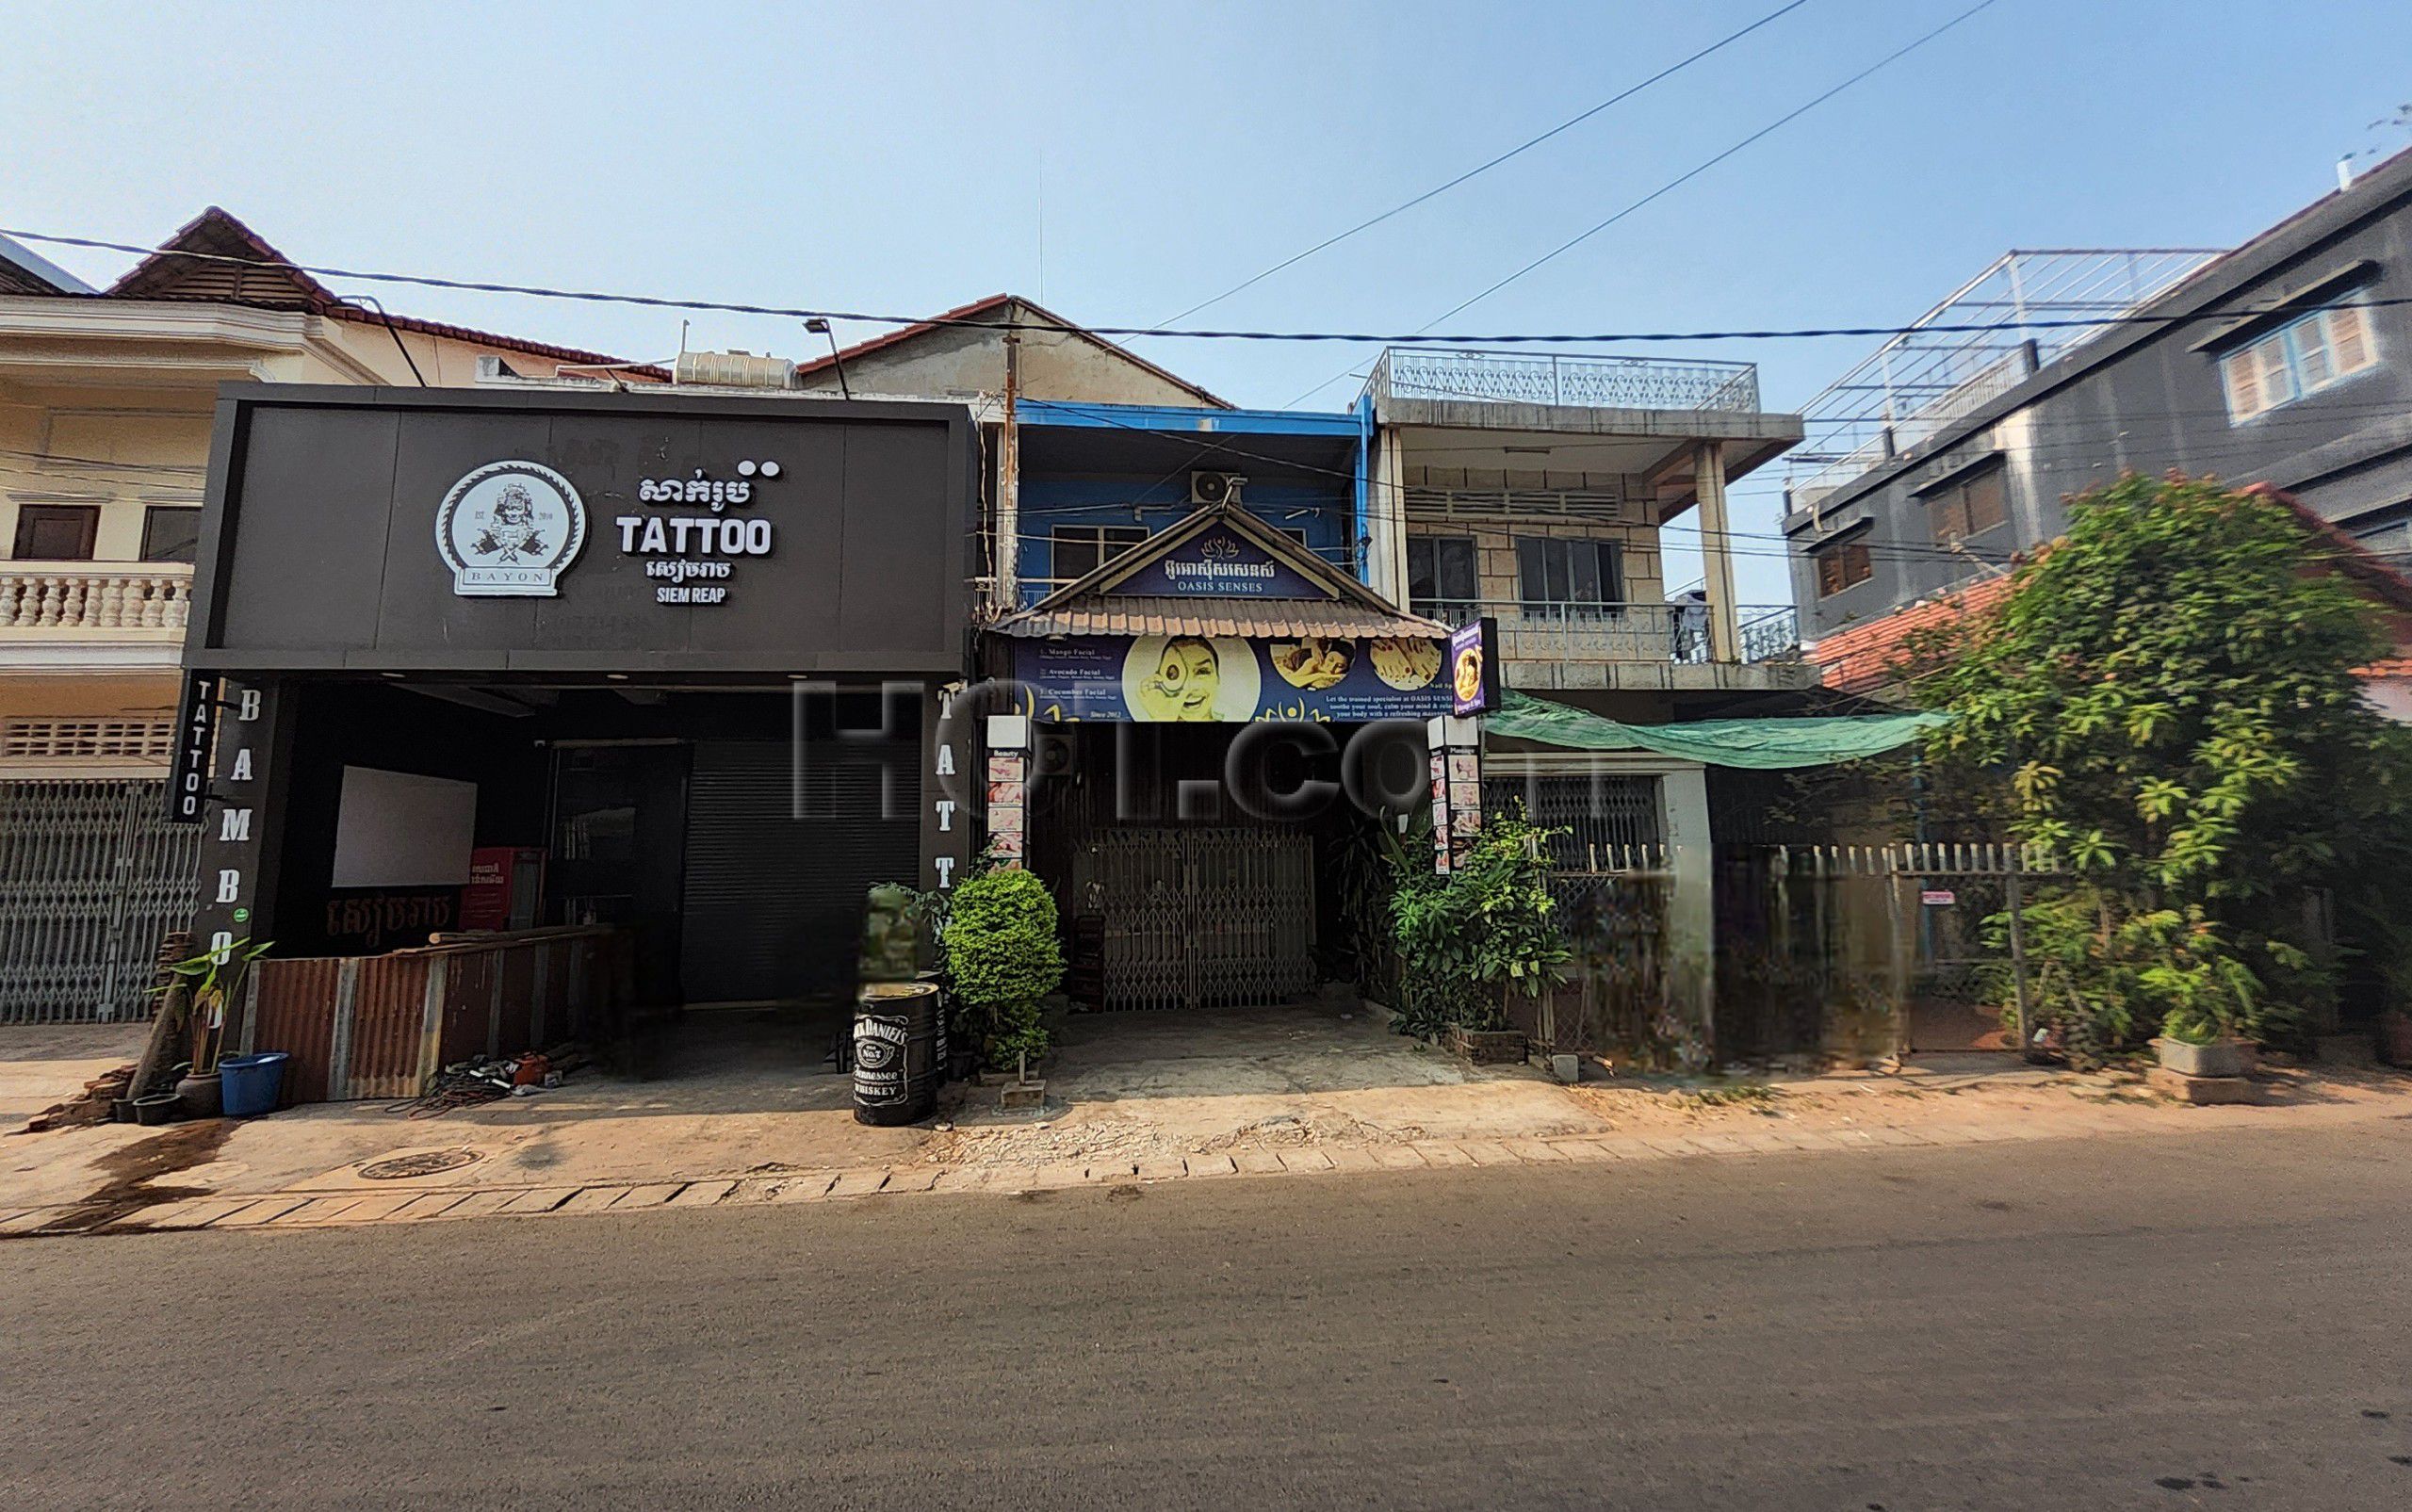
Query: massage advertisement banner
1156, 679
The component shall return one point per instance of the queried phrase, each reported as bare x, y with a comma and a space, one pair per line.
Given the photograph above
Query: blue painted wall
1327, 507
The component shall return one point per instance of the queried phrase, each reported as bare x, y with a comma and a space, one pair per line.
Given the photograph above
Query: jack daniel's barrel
897, 1030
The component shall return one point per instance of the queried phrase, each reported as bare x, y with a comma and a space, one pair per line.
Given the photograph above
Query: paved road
2143, 1321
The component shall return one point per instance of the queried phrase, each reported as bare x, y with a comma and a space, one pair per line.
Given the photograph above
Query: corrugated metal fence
382, 1026
92, 877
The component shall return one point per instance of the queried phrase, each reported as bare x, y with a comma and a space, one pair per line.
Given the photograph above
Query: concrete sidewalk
1141, 1099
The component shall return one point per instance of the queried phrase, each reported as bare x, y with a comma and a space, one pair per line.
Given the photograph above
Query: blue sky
895, 158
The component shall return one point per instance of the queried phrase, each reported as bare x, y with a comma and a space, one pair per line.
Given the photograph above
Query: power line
1694, 172
1478, 169
1360, 337
1772, 126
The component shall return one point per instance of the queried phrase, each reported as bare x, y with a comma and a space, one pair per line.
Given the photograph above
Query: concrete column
242, 824
950, 755
1386, 518
1691, 908
1717, 552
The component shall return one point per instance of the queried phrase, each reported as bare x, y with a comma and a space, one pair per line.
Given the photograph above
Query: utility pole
1006, 553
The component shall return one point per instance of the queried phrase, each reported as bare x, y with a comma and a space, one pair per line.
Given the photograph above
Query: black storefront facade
679, 664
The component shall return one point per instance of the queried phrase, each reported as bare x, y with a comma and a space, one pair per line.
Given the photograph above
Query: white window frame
2302, 355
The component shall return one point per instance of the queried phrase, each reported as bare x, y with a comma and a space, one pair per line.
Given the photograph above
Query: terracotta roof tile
1270, 618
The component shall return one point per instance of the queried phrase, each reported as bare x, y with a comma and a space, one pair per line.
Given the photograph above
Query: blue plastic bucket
248, 1084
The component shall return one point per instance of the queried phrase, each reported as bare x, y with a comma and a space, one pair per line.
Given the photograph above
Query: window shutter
2349, 340
2243, 385
2277, 384
1830, 573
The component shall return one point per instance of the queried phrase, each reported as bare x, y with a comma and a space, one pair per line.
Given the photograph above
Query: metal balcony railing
1620, 633
144, 600
1580, 381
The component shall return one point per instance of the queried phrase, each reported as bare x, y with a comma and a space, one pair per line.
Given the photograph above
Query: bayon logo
509, 529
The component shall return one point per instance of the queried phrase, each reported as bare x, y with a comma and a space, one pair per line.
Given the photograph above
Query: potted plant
1002, 958
2197, 1042
196, 995
1473, 941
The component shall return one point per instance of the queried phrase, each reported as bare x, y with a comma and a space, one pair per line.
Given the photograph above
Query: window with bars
1843, 565
59, 739
1074, 551
1555, 577
2297, 360
1441, 579
1970, 504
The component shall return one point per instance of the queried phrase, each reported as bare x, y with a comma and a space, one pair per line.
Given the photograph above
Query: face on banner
1184, 679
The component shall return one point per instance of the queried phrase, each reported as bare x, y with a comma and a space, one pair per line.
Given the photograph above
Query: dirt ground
750, 1094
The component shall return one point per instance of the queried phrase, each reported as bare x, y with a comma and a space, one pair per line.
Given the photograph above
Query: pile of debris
491, 1079
96, 1105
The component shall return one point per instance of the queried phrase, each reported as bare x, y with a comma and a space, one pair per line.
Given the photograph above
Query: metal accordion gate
1199, 916
92, 877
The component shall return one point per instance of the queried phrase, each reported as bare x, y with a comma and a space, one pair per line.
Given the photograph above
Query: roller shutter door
773, 902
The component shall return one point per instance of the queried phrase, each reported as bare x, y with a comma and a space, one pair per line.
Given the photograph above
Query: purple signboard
1158, 679
1221, 562
1474, 667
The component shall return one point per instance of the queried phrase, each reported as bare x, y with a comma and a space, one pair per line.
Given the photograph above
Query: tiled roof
1866, 656
1271, 618
971, 314
173, 273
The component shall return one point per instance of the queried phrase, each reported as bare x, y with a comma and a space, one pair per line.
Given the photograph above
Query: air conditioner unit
1215, 488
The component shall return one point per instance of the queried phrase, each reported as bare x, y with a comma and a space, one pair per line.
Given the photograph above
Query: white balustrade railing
84, 596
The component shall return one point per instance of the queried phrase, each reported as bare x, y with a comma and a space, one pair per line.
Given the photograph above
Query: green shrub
1471, 940
1002, 958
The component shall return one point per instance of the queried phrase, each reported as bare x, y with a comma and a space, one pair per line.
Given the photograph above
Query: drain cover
425, 1162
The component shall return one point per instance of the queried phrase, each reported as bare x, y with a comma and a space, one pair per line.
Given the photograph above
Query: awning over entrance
1223, 619
1761, 743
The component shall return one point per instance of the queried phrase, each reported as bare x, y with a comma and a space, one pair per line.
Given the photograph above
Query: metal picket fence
91, 878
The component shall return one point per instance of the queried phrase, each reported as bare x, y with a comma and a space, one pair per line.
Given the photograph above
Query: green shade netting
1765, 743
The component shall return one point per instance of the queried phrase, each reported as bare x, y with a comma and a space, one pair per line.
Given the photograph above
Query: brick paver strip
481, 1203
962, 1179
1397, 1157
1767, 1142
26, 1222
1537, 1150
1351, 1158
1441, 1152
1060, 1174
1674, 1144
651, 1196
1109, 1172
1720, 1144
911, 1178
702, 1193
1163, 1168
1886, 1134
260, 1211
315, 1212
1257, 1161
540, 1199
1488, 1152
1209, 1164
593, 1199
427, 1205
858, 1183
810, 1187
1304, 1162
